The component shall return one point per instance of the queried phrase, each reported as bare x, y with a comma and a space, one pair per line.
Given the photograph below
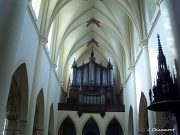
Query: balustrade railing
91, 98
91, 108
114, 108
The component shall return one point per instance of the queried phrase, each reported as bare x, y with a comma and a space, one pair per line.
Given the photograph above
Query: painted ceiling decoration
93, 21
113, 31
92, 41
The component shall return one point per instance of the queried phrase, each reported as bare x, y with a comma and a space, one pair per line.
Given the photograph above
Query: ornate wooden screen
91, 83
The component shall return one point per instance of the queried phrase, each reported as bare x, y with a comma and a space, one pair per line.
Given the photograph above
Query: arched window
36, 6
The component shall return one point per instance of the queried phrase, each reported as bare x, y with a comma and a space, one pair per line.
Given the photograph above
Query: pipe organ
91, 83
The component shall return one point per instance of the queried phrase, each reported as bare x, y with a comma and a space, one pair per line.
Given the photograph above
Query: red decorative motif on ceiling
92, 41
93, 21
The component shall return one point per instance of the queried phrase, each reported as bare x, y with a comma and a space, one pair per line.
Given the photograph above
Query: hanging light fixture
12, 114
36, 123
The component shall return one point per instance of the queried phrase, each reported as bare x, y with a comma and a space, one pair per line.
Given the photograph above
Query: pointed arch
114, 127
41, 109
86, 120
90, 121
118, 120
19, 83
143, 114
18, 95
51, 120
64, 119
130, 122
23, 88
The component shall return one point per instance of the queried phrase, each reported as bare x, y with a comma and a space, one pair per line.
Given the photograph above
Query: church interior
89, 67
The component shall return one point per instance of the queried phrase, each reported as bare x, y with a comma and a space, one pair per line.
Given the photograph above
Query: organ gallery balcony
91, 108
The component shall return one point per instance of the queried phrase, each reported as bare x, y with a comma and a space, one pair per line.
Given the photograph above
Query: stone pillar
12, 15
126, 108
58, 91
21, 125
49, 95
147, 69
171, 18
134, 104
40, 132
148, 82
78, 132
32, 104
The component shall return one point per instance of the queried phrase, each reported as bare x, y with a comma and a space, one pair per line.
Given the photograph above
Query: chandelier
36, 123
12, 114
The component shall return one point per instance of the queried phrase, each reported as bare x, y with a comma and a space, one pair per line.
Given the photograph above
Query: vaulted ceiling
109, 27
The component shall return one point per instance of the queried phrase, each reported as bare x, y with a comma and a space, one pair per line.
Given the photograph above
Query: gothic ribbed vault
110, 23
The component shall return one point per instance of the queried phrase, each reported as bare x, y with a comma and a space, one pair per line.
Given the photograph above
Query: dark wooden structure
91, 88
165, 95
91, 83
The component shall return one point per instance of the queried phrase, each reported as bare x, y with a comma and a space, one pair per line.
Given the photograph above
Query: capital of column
143, 43
123, 85
42, 40
158, 2
53, 66
132, 68
60, 83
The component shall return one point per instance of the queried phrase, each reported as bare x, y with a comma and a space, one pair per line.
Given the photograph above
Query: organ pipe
91, 76
73, 70
110, 73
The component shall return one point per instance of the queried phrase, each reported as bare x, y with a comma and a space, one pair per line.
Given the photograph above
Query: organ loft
91, 83
91, 89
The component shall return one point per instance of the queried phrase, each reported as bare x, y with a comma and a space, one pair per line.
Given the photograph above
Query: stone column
171, 18
32, 104
148, 83
55, 131
40, 132
78, 132
126, 108
59, 91
49, 95
21, 125
134, 104
12, 13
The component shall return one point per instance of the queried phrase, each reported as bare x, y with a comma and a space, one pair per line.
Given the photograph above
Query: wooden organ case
91, 89
91, 83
